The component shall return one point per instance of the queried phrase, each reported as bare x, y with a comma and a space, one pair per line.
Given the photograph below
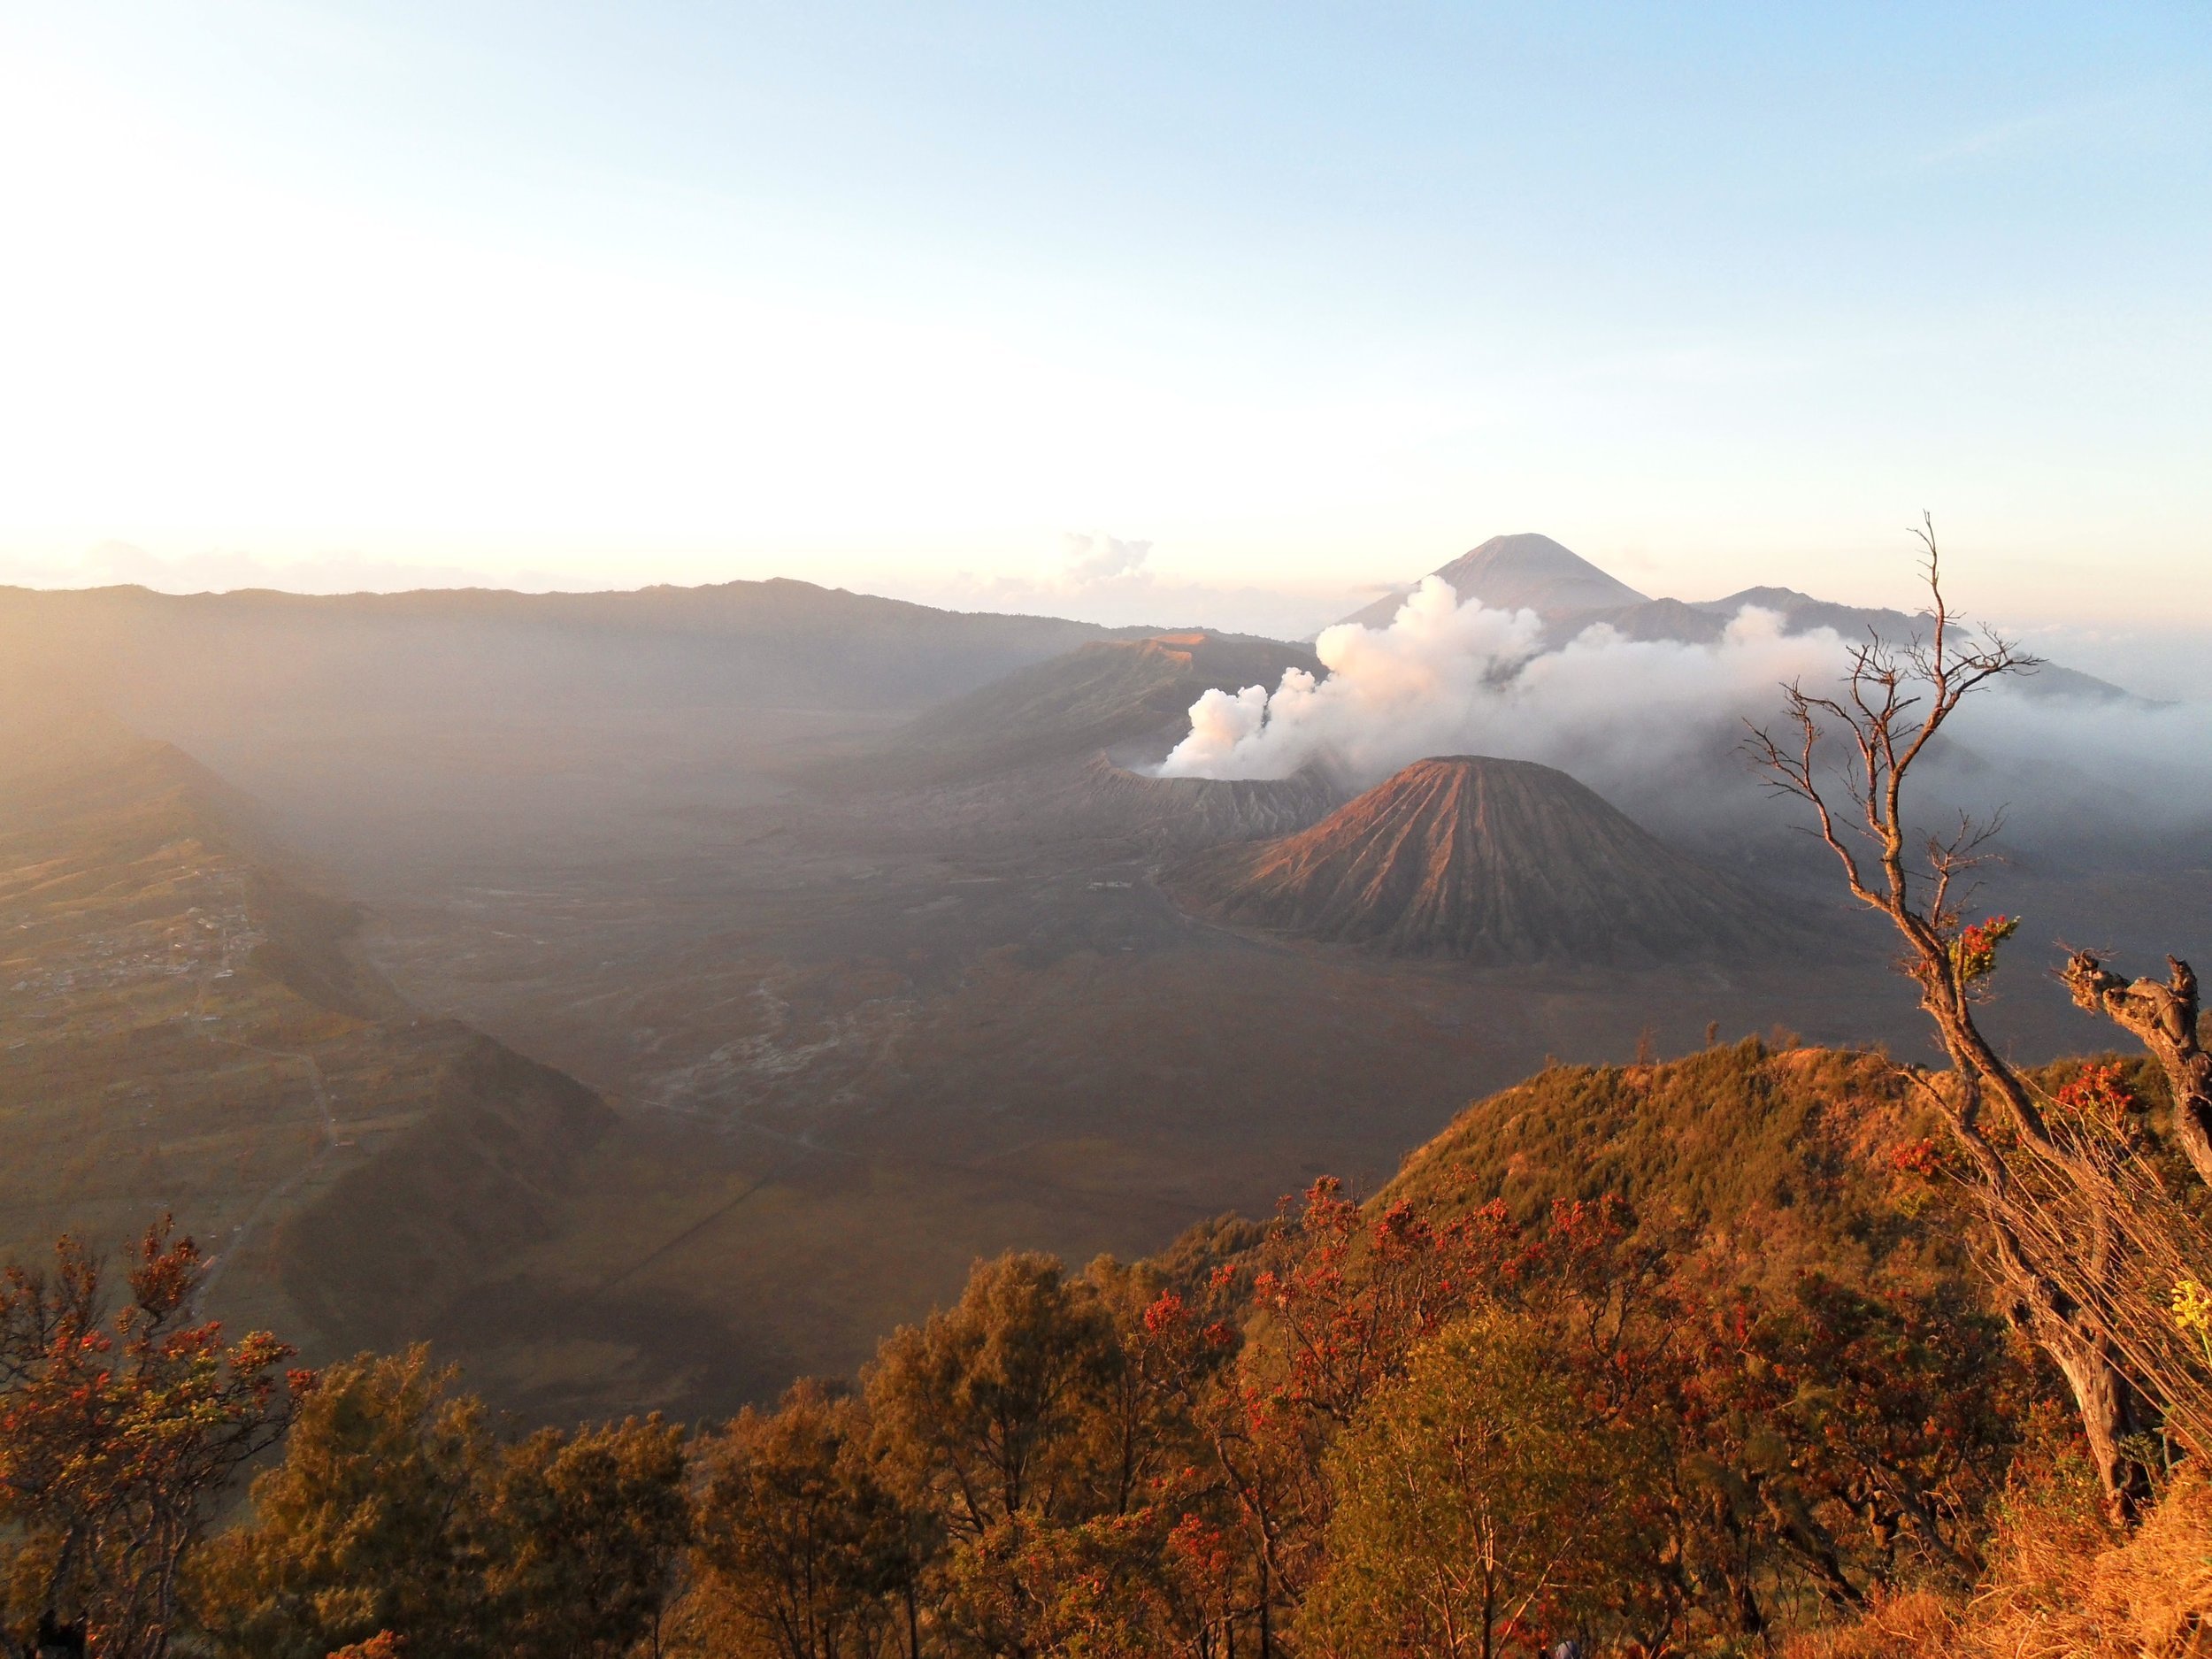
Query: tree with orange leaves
1335, 1303
117, 1433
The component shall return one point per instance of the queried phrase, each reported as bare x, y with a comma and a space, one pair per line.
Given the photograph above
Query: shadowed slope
1488, 860
186, 1025
1200, 812
1091, 698
1095, 800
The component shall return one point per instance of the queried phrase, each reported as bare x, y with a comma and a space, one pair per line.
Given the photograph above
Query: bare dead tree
2068, 1219
2163, 1017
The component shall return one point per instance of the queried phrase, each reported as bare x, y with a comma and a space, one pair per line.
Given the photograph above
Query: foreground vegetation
1755, 1398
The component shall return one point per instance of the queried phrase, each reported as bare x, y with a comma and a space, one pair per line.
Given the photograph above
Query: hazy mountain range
1535, 572
653, 996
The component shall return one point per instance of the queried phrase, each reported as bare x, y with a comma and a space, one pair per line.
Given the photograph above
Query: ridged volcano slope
1492, 860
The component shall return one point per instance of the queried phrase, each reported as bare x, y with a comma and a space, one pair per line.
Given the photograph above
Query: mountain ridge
1569, 594
190, 1027
183, 666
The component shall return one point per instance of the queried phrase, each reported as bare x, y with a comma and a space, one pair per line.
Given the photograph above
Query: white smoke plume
1655, 724
1451, 677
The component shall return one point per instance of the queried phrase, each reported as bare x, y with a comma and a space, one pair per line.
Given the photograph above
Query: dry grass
1915, 1623
2061, 1588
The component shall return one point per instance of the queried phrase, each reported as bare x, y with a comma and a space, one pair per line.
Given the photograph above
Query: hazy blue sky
1305, 297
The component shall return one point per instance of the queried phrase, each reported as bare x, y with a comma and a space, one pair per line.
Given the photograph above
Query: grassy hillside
1789, 1152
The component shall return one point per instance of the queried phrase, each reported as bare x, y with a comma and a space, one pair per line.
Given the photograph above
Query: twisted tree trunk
2163, 1018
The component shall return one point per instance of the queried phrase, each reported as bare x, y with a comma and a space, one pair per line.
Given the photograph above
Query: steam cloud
1451, 677
1655, 723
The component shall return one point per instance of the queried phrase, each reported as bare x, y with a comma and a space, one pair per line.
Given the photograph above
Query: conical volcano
1490, 860
1512, 573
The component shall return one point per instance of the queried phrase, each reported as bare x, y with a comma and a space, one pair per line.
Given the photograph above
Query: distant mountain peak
1522, 572
1534, 571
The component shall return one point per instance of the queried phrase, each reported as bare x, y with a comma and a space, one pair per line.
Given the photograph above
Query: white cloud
1097, 558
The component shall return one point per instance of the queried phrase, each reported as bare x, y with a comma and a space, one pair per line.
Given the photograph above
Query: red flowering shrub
1974, 952
116, 1435
1915, 1157
2100, 1098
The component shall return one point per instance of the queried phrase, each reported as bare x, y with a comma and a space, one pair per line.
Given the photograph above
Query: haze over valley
652, 997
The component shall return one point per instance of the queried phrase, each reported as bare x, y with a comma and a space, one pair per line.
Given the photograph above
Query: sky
1178, 312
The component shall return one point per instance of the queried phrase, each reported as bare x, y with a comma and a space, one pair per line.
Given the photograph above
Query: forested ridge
1681, 1357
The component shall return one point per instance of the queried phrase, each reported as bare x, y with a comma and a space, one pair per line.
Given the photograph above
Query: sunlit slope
186, 1029
1790, 1151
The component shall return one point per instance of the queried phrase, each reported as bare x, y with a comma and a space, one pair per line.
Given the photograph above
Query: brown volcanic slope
1099, 695
1038, 755
1492, 861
